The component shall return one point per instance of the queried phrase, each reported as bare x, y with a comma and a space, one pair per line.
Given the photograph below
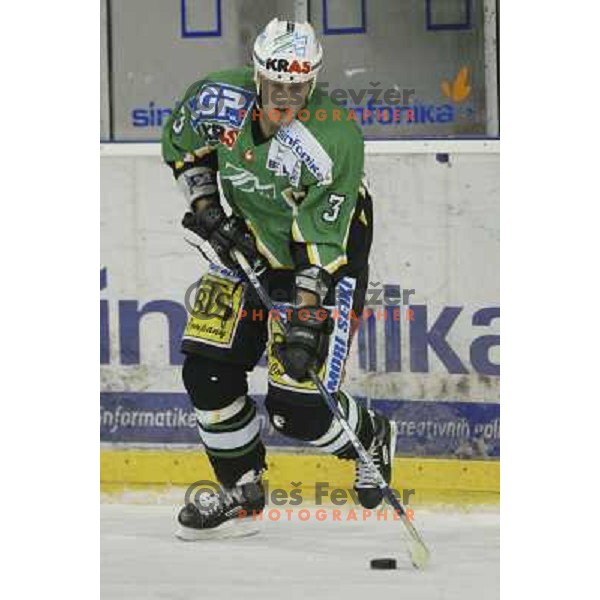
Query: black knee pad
212, 384
300, 416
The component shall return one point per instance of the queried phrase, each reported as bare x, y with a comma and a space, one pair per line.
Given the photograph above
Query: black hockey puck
383, 563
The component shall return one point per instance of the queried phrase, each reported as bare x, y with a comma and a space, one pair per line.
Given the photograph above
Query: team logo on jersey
215, 132
249, 155
247, 182
211, 131
221, 103
280, 65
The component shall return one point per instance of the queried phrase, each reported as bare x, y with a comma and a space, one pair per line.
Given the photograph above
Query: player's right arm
193, 160
190, 156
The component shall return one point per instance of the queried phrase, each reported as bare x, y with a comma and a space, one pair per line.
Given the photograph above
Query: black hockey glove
224, 234
306, 342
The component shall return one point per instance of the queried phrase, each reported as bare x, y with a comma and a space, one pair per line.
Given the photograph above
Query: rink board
434, 480
425, 428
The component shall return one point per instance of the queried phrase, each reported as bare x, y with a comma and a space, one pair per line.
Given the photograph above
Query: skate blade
236, 528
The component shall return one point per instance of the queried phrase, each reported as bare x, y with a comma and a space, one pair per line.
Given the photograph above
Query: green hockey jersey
301, 185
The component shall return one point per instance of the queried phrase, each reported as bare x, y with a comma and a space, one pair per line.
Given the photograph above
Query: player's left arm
322, 224
320, 233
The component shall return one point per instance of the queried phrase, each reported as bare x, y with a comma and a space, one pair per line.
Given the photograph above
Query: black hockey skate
228, 513
382, 451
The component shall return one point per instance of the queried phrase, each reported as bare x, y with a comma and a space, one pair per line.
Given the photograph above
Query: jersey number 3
335, 203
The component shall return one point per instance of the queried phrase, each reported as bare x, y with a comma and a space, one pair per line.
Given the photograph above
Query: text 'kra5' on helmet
288, 52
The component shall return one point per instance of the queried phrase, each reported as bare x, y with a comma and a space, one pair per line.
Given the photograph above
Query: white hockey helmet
288, 52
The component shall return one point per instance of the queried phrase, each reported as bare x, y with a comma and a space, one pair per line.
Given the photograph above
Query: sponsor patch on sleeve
220, 103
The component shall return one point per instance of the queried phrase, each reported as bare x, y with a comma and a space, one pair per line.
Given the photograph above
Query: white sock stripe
230, 440
211, 417
352, 421
337, 445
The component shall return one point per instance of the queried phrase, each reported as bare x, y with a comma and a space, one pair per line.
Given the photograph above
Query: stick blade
419, 555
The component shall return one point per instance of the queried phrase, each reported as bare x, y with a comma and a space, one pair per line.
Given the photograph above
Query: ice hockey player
290, 164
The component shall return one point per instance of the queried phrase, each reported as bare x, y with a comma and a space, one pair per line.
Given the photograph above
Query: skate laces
365, 475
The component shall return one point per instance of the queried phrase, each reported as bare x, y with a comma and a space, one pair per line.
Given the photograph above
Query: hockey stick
419, 554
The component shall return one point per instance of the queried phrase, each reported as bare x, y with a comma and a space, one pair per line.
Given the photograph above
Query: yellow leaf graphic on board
459, 90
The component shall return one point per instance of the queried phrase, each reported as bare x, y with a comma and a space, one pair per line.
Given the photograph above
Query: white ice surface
289, 560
